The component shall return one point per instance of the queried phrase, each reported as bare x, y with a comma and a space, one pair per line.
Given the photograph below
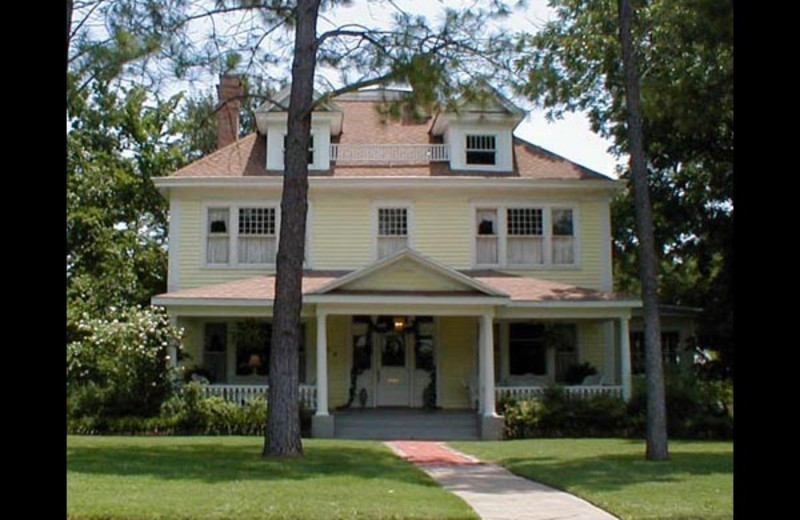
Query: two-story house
448, 262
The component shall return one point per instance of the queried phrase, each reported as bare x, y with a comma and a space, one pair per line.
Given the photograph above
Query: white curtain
486, 250
387, 246
563, 250
217, 250
257, 250
525, 250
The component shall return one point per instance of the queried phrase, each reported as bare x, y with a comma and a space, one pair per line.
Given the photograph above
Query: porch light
399, 323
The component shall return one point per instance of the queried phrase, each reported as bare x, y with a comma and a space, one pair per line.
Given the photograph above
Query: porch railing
390, 153
239, 394
524, 393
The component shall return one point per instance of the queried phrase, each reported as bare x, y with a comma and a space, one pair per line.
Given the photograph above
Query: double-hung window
241, 235
392, 230
310, 155
525, 236
481, 150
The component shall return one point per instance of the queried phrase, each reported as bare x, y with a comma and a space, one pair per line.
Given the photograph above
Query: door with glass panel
393, 370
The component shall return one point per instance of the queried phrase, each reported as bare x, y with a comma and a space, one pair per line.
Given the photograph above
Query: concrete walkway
492, 491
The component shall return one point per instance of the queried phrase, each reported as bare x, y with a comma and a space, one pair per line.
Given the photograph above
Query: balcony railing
390, 153
526, 393
239, 394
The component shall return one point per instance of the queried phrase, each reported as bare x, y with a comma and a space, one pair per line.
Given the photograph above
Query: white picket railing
390, 153
525, 393
239, 394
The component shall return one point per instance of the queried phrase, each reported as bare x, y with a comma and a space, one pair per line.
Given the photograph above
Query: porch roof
520, 290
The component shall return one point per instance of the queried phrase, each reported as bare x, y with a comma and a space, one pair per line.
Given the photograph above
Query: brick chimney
229, 92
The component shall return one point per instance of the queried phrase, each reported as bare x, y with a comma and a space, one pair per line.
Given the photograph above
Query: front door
393, 370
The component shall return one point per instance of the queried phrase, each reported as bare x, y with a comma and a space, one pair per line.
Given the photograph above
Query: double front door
393, 370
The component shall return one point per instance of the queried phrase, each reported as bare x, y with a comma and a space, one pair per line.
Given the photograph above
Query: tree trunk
283, 406
648, 263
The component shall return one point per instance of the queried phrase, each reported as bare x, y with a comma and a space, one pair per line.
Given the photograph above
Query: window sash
481, 149
392, 222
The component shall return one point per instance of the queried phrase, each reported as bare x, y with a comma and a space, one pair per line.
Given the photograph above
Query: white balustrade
390, 153
239, 394
527, 393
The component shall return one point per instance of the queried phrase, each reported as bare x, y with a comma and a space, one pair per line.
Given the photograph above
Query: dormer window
481, 149
310, 148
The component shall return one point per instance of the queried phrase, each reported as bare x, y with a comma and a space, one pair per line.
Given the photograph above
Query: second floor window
257, 239
243, 235
310, 156
524, 236
392, 230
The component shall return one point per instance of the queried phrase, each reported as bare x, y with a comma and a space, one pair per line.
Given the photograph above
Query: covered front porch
408, 333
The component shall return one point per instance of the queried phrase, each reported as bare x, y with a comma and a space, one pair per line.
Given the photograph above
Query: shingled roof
364, 124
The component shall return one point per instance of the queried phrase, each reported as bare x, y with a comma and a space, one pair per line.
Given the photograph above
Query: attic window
481, 149
310, 148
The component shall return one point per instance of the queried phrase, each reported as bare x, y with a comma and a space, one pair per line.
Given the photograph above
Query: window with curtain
217, 247
525, 236
563, 236
257, 238
392, 230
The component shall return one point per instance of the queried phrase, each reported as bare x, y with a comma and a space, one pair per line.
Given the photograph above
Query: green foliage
575, 374
696, 408
685, 53
120, 366
117, 142
429, 393
556, 415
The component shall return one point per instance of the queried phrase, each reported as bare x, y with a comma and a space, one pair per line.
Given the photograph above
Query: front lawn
203, 478
695, 484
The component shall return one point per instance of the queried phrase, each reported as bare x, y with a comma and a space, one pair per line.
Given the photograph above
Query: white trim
457, 301
479, 184
308, 262
174, 245
614, 304
418, 257
606, 277
165, 301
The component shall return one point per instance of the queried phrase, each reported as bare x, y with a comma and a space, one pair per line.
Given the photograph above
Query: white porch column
625, 358
322, 423
491, 423
322, 364
487, 366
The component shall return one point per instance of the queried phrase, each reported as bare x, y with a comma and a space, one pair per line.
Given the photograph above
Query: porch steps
406, 424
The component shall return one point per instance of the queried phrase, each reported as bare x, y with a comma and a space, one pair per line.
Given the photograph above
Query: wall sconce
399, 323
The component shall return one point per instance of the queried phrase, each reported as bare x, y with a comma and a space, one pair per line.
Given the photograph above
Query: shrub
121, 367
696, 409
575, 374
557, 415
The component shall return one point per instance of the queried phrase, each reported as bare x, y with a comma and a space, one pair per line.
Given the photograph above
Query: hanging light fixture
399, 323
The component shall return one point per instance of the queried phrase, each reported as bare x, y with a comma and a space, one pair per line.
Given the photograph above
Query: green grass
199, 478
695, 484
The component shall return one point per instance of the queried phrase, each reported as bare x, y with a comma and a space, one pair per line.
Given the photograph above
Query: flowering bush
121, 366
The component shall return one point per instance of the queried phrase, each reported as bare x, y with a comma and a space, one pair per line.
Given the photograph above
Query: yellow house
448, 263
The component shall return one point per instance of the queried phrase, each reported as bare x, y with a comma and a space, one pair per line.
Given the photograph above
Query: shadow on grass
614, 472
215, 462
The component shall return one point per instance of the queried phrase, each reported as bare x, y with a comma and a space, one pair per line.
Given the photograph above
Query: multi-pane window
257, 240
670, 350
481, 149
241, 235
522, 236
392, 230
525, 237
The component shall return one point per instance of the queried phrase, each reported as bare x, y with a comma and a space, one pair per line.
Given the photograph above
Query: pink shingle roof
518, 288
362, 124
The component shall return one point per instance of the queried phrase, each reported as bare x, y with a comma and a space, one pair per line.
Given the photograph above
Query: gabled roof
427, 275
